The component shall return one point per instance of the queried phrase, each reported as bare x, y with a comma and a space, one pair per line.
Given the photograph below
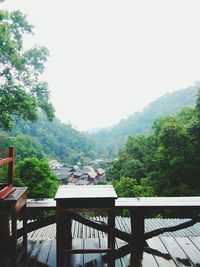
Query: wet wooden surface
182, 249
183, 252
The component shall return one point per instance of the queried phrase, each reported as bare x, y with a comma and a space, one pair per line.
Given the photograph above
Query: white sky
111, 58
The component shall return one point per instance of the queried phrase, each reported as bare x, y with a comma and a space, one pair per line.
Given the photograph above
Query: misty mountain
109, 140
45, 139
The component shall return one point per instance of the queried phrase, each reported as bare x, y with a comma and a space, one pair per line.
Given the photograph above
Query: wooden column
4, 231
11, 166
111, 228
14, 237
137, 231
24, 214
59, 227
67, 233
137, 226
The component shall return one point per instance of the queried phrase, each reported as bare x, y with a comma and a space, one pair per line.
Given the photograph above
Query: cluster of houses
77, 175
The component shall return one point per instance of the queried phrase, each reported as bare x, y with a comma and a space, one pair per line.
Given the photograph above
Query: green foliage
37, 176
44, 139
130, 188
165, 163
21, 91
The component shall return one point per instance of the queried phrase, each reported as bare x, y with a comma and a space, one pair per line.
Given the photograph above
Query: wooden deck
176, 251
181, 248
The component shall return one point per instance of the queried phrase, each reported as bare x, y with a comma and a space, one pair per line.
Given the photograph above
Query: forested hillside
108, 141
164, 163
45, 139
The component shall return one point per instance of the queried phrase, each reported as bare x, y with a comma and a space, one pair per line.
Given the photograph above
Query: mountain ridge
109, 140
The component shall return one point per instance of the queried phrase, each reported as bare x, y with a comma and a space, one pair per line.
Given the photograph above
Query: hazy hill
108, 140
45, 139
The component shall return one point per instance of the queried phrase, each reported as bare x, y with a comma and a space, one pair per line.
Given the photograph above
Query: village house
75, 174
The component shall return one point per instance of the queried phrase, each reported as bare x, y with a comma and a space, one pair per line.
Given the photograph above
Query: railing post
137, 226
11, 166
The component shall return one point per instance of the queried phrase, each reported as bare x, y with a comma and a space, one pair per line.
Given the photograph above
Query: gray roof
82, 182
78, 173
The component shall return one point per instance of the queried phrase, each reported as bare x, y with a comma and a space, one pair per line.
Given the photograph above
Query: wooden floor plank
51, 262
119, 243
36, 249
190, 249
148, 260
196, 241
118, 262
185, 251
103, 244
93, 259
155, 243
125, 260
176, 252
44, 252
77, 259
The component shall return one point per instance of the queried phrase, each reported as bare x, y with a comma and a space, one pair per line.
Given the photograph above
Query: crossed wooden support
135, 246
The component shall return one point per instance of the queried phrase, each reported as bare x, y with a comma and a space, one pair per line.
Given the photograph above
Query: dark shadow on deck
163, 252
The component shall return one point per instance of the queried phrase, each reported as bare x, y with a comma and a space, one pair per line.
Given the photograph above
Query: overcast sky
111, 58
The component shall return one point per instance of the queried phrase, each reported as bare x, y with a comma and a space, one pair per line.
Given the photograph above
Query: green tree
164, 163
198, 105
21, 90
128, 187
37, 176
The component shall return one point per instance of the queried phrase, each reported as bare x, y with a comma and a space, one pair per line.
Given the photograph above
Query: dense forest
109, 140
164, 163
46, 139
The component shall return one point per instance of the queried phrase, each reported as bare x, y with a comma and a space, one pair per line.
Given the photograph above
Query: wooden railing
7, 187
138, 208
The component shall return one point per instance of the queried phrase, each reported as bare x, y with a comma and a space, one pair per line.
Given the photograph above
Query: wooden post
137, 231
4, 232
14, 237
24, 214
64, 235
137, 226
67, 232
59, 236
111, 228
11, 166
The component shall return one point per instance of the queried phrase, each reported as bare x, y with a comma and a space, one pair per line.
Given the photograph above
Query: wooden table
73, 198
11, 207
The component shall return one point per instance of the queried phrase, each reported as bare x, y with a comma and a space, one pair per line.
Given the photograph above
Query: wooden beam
11, 166
102, 227
32, 226
171, 228
4, 161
